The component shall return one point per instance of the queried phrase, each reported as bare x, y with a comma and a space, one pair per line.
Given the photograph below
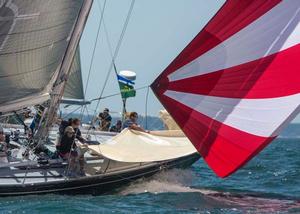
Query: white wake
176, 180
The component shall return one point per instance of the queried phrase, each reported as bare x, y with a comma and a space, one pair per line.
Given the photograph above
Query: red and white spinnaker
237, 84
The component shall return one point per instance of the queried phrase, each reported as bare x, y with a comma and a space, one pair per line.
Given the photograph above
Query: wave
176, 180
180, 181
290, 137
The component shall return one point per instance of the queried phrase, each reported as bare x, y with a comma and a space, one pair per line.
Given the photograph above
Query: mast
64, 72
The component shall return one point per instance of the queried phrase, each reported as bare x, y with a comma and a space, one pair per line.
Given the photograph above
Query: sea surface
270, 183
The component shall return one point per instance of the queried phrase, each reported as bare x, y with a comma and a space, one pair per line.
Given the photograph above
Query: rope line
115, 53
88, 79
106, 32
94, 48
116, 94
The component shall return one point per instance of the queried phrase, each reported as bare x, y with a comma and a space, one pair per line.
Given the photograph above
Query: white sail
34, 36
133, 146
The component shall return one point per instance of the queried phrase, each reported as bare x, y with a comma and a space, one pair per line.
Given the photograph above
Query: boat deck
102, 175
56, 170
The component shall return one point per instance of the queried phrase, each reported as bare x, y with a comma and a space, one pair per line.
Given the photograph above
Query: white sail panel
34, 36
249, 115
248, 45
132, 146
237, 84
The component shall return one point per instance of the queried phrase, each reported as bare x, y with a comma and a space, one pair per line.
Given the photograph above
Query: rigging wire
93, 56
112, 65
67, 115
94, 48
89, 74
106, 32
84, 107
105, 97
113, 56
116, 94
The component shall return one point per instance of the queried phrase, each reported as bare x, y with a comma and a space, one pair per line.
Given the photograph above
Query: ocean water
270, 183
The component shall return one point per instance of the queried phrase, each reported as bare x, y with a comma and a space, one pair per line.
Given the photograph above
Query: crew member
132, 123
117, 127
74, 124
105, 120
67, 148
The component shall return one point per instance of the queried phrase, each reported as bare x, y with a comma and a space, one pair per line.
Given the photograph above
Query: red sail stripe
225, 149
261, 78
231, 18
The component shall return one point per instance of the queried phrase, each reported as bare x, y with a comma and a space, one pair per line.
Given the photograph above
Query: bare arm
137, 128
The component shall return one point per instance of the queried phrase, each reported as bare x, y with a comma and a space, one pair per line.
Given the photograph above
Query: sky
157, 32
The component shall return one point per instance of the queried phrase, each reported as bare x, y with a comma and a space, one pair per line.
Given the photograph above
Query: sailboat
40, 66
231, 91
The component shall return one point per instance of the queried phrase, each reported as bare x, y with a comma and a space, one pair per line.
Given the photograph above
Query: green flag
126, 87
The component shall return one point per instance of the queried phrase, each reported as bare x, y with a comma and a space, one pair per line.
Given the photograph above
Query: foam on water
170, 181
179, 181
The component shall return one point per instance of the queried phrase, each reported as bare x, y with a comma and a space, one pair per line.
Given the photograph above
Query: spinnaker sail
34, 36
237, 84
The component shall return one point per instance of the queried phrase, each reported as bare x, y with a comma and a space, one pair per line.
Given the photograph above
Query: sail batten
237, 84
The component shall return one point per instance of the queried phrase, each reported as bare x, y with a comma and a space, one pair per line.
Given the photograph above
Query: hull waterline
95, 184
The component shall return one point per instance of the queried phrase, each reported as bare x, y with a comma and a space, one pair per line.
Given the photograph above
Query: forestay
34, 36
237, 84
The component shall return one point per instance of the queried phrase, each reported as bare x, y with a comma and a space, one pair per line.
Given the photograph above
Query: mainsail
237, 84
34, 36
